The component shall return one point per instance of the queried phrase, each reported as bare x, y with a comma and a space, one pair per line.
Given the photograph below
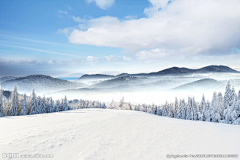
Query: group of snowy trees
222, 109
37, 105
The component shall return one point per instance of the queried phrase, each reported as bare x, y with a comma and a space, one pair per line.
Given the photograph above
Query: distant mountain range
41, 83
172, 70
6, 78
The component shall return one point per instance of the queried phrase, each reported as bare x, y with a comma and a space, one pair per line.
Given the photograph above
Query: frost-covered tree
184, 116
104, 106
153, 109
179, 111
39, 105
208, 112
50, 105
213, 108
159, 111
189, 115
165, 109
57, 106
65, 104
202, 109
194, 110
43, 105
24, 108
2, 110
33, 103
176, 108
137, 108
227, 96
121, 103
170, 111
14, 111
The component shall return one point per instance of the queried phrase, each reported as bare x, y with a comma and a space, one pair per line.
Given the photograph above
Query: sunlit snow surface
99, 134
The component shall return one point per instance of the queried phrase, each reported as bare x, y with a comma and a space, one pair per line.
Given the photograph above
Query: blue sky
75, 37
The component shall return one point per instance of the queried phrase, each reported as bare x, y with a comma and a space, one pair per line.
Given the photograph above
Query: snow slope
97, 134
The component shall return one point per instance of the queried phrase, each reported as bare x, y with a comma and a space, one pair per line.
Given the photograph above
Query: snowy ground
97, 134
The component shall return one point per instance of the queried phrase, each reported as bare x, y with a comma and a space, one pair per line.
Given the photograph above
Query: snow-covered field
98, 134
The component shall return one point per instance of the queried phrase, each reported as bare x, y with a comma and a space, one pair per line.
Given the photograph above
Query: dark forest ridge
172, 70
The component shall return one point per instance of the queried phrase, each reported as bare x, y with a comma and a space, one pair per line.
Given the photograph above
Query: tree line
222, 108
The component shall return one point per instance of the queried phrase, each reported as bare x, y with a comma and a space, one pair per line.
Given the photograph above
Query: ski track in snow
105, 134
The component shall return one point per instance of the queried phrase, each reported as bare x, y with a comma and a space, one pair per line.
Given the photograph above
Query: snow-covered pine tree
213, 108
14, 111
43, 105
65, 104
202, 106
189, 115
50, 105
138, 107
238, 104
170, 111
57, 106
179, 111
184, 116
165, 109
2, 110
99, 105
227, 96
208, 112
194, 110
24, 108
159, 111
176, 107
33, 103
104, 106
39, 105
220, 108
152, 109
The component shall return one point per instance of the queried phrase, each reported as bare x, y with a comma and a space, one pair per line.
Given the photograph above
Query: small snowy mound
89, 134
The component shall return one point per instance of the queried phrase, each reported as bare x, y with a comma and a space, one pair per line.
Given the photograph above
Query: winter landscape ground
97, 134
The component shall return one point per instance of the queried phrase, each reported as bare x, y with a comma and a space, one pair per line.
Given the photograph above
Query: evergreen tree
24, 109
208, 112
184, 116
227, 96
176, 108
14, 102
50, 105
189, 115
33, 103
194, 110
159, 111
179, 111
2, 110
202, 109
57, 106
164, 110
170, 111
65, 104
153, 109
220, 108
104, 106
39, 105
43, 105
213, 108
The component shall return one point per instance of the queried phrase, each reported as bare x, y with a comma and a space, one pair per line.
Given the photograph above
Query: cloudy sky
70, 38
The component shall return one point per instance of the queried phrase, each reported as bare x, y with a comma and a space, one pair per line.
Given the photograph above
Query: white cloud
130, 17
78, 19
182, 26
151, 54
127, 58
103, 4
63, 12
92, 59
